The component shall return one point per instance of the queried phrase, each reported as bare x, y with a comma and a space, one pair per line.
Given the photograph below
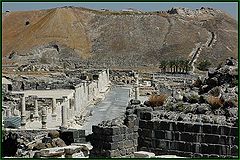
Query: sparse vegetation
175, 66
157, 100
215, 102
204, 65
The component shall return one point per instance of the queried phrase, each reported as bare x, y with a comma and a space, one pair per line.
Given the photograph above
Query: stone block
129, 151
146, 115
112, 153
123, 152
159, 134
211, 138
128, 143
47, 140
230, 140
188, 127
97, 130
223, 140
215, 129
214, 156
181, 145
233, 131
177, 136
164, 125
130, 136
211, 149
197, 127
123, 129
143, 154
235, 141
204, 148
116, 138
121, 145
111, 131
180, 126
135, 135
80, 140
224, 130
196, 147
162, 144
187, 137
234, 150
188, 147
68, 136
110, 146
169, 135
146, 133
135, 142
53, 134
173, 145
207, 128
197, 155
185, 154
130, 130
217, 148
172, 126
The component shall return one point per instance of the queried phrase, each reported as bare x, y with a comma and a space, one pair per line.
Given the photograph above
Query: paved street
111, 107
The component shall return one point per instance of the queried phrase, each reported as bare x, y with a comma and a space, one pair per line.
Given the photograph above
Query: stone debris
144, 154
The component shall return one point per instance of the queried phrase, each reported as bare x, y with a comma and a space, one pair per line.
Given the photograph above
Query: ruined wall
113, 141
187, 138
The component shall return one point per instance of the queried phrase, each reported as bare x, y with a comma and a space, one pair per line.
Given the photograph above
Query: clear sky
229, 7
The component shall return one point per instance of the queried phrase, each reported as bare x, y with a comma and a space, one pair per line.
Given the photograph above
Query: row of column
64, 111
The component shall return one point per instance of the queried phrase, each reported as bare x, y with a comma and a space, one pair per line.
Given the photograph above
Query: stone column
8, 112
54, 106
137, 87
108, 79
36, 115
64, 112
44, 118
23, 112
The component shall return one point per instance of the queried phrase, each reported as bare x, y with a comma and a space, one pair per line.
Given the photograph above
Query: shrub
204, 65
157, 100
215, 102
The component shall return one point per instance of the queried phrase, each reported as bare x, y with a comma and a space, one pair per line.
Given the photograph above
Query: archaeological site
101, 83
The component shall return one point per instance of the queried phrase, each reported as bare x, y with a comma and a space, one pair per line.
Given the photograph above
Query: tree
171, 64
204, 65
181, 65
163, 65
186, 66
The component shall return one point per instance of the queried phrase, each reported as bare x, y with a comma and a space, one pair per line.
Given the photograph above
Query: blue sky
229, 7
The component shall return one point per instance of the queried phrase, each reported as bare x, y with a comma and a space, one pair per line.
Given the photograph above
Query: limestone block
143, 154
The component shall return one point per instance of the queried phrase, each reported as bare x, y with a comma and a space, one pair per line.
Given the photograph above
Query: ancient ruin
119, 84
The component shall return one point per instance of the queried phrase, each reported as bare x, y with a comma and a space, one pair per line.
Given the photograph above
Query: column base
36, 117
62, 127
54, 117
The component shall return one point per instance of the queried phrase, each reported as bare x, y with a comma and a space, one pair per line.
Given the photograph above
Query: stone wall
187, 138
115, 141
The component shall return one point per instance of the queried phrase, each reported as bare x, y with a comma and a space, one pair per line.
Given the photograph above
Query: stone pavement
113, 106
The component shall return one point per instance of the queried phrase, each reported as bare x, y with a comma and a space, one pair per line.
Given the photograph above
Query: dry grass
215, 102
157, 100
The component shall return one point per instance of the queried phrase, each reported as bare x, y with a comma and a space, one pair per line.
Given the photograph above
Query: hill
71, 36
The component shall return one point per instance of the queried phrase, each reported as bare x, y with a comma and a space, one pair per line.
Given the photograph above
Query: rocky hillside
72, 36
